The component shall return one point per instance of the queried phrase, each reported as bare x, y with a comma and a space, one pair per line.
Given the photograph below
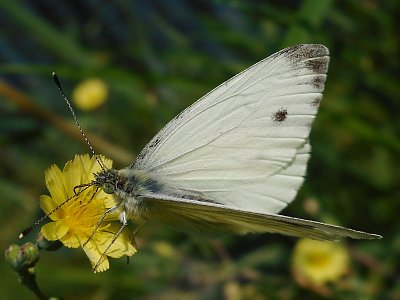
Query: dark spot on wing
280, 115
318, 82
316, 102
318, 64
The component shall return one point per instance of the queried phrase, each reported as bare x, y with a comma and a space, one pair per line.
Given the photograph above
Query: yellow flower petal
54, 230
72, 174
93, 253
55, 184
70, 241
47, 204
120, 247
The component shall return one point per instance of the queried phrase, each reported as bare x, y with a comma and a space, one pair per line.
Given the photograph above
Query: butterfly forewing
245, 144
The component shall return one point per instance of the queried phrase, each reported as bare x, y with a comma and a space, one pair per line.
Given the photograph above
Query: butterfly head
107, 180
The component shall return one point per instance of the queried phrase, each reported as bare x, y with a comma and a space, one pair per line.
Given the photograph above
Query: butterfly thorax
129, 187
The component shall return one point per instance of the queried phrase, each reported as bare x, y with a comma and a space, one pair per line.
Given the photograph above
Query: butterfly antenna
55, 78
26, 231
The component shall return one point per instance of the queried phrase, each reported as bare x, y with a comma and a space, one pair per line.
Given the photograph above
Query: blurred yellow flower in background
317, 263
90, 94
75, 221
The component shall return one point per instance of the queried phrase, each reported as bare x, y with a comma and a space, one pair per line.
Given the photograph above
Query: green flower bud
27, 256
11, 255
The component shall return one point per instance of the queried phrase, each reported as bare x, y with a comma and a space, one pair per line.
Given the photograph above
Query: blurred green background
157, 57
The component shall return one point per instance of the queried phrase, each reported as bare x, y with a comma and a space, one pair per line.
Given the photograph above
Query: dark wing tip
304, 51
314, 57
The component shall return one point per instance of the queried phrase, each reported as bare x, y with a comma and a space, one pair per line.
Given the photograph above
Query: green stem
28, 278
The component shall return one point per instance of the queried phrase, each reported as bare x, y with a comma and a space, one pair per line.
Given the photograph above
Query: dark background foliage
157, 58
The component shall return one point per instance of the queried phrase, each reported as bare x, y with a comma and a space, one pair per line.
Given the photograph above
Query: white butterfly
236, 157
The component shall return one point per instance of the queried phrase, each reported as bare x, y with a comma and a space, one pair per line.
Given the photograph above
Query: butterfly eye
108, 188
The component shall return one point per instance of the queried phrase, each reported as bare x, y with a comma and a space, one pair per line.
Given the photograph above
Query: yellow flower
317, 262
75, 221
90, 94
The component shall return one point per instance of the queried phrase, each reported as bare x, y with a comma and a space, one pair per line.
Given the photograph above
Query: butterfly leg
124, 223
99, 223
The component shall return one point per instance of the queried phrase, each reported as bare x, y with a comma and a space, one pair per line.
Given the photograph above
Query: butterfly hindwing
200, 217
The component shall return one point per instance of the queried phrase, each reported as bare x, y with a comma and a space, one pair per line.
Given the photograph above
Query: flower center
83, 215
318, 259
